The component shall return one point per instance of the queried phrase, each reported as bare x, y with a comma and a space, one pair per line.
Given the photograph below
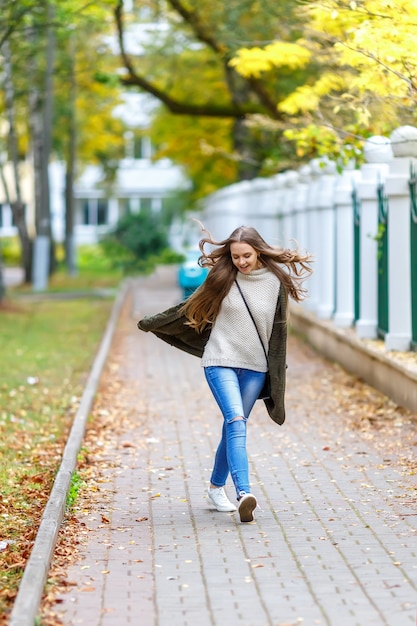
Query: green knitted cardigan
170, 326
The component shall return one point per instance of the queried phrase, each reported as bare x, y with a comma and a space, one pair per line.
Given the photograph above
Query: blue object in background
190, 274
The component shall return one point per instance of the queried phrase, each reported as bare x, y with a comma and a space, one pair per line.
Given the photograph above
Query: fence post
300, 230
312, 219
404, 146
345, 258
326, 248
382, 282
279, 180
288, 207
378, 153
413, 244
356, 254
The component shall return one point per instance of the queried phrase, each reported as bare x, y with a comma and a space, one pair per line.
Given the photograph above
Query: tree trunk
17, 205
40, 103
2, 281
243, 143
248, 166
47, 128
41, 248
70, 169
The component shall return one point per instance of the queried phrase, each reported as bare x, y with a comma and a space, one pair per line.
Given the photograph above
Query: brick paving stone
334, 540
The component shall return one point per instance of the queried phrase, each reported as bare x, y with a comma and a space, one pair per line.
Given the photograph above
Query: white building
139, 184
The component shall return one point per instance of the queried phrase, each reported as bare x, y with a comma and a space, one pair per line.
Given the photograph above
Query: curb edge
35, 574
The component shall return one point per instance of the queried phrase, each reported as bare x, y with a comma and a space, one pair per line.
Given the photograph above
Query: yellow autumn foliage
255, 61
307, 97
375, 38
372, 40
102, 132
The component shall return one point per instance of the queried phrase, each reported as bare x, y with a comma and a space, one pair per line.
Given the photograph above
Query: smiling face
244, 257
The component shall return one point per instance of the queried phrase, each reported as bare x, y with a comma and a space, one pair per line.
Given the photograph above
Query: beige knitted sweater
234, 341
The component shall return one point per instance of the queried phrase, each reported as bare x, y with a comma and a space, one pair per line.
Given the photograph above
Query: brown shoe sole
246, 508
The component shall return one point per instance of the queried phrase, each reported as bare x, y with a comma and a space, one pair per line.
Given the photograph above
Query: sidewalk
334, 540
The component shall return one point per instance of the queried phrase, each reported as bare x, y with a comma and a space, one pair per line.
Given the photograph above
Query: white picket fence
313, 208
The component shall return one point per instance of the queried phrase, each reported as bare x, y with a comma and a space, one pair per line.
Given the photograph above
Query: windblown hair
290, 267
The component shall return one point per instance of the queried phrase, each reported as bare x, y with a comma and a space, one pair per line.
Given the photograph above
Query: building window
93, 211
102, 212
142, 147
137, 145
85, 213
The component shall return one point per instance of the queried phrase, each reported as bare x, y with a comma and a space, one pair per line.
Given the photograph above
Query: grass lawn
46, 349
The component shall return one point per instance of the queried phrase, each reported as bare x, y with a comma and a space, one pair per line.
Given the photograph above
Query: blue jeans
235, 391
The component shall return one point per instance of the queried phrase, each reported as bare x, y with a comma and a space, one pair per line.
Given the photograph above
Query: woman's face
244, 257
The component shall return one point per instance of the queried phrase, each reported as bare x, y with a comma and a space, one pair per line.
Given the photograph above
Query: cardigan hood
170, 326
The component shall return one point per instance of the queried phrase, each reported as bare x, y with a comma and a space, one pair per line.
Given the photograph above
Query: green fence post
383, 319
413, 253
357, 251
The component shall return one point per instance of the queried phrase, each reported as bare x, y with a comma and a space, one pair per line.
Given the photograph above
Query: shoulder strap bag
266, 389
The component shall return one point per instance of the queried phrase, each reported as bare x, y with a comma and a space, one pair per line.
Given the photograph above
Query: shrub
137, 242
10, 251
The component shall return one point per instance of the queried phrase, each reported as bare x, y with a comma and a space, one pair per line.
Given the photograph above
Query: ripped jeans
235, 391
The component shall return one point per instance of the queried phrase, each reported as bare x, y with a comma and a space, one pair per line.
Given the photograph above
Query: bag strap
252, 318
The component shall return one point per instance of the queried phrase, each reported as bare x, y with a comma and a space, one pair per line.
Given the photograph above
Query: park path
334, 539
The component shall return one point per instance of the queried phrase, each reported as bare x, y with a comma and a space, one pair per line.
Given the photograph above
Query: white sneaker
218, 498
247, 505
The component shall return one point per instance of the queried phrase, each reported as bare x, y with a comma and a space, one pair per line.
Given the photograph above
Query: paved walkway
334, 540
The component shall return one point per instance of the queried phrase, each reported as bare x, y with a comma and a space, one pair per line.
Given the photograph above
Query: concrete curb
378, 369
31, 588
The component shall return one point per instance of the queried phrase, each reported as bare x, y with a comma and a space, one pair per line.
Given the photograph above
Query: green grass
46, 350
76, 483
92, 274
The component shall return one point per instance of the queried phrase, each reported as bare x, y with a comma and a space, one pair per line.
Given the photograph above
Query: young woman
236, 323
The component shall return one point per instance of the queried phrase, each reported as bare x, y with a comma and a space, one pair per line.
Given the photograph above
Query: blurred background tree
209, 107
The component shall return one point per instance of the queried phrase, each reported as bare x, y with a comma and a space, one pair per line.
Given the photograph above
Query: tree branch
191, 18
11, 25
176, 106
201, 33
265, 98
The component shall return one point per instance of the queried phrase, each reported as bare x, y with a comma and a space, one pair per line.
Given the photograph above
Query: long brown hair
290, 267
